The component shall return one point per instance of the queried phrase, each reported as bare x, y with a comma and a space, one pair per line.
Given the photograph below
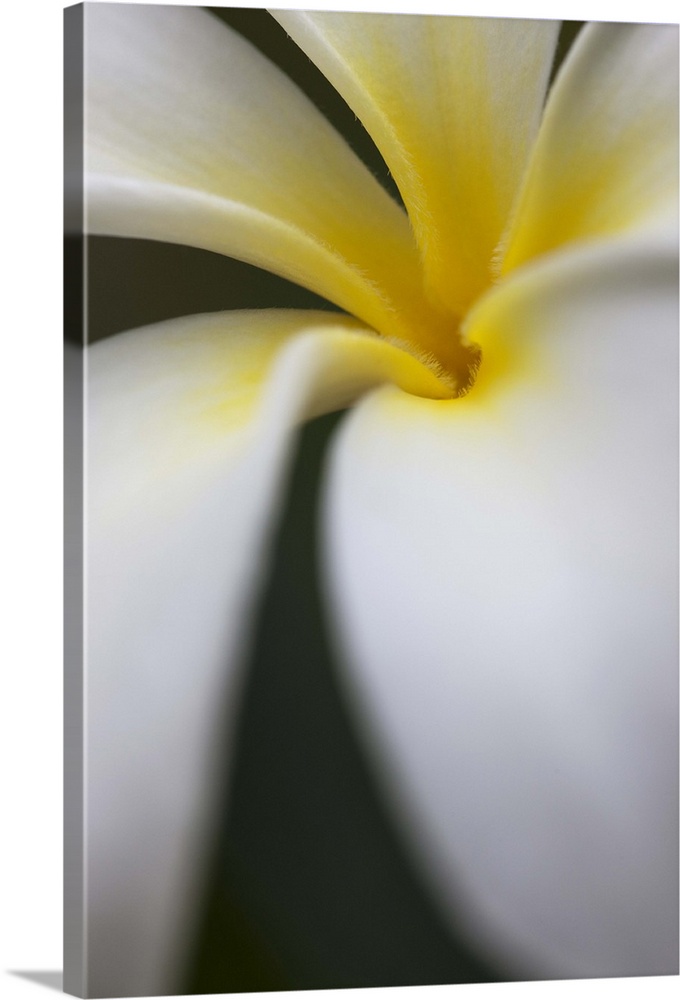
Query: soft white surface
606, 158
506, 575
192, 136
188, 431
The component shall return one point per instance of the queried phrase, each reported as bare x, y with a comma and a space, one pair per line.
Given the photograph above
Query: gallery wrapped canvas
371, 460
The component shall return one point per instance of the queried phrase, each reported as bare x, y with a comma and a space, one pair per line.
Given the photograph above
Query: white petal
453, 104
606, 159
194, 137
185, 461
504, 566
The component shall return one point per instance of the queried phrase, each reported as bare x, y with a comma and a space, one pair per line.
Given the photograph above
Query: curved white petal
606, 158
453, 104
505, 574
185, 462
192, 136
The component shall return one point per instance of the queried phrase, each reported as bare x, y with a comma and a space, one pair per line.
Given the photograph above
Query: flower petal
186, 458
453, 104
606, 159
194, 137
504, 569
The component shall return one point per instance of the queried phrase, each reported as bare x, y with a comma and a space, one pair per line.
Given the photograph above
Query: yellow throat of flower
434, 335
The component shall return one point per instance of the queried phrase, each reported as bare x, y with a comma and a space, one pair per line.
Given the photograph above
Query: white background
30, 497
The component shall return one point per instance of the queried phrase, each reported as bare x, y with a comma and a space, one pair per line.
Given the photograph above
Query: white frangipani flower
501, 561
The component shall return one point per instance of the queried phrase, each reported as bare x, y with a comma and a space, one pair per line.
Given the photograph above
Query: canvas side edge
75, 945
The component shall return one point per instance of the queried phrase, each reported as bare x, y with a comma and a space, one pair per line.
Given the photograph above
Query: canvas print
371, 461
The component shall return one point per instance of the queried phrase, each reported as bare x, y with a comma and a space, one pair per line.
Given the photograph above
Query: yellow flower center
433, 335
